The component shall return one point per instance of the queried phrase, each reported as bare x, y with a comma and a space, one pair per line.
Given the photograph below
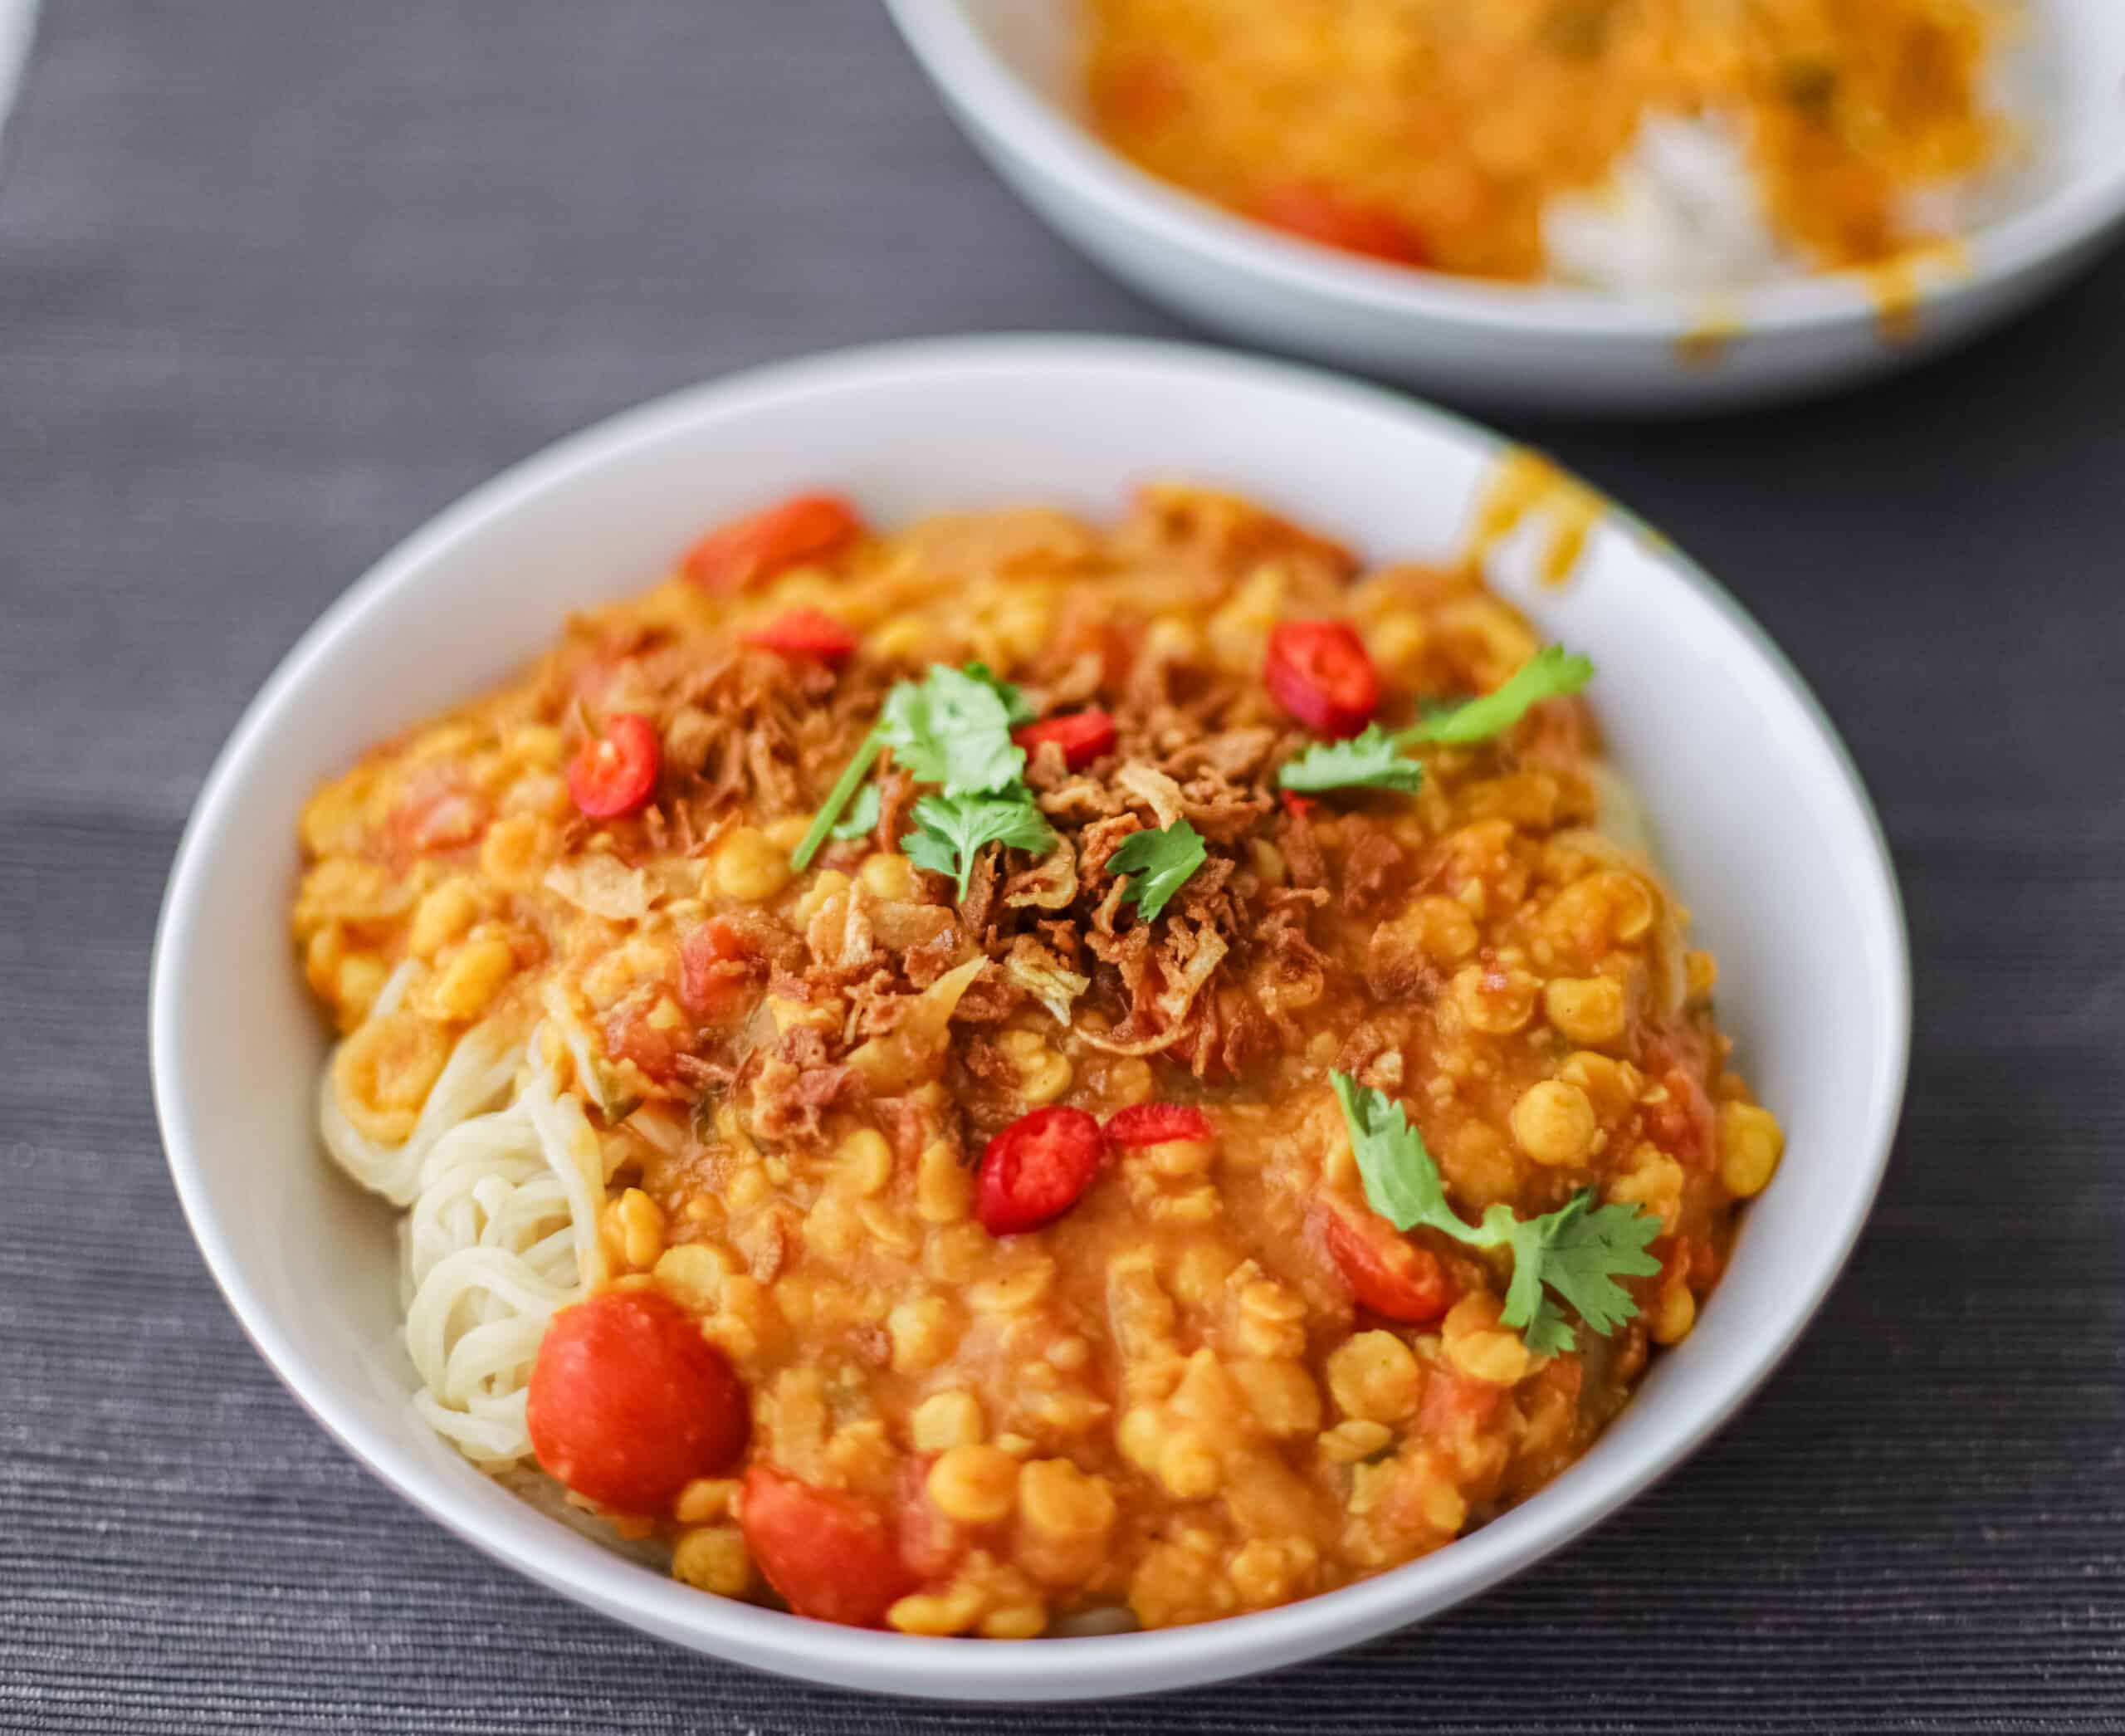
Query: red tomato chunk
806, 633
1306, 209
748, 552
830, 1556
629, 1403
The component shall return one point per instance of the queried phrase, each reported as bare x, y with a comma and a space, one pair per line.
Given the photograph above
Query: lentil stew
876, 1037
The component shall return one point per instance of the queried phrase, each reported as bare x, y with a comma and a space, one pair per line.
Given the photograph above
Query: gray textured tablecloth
278, 278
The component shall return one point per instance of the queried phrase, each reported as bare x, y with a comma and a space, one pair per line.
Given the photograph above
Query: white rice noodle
476, 1076
1681, 214
504, 1180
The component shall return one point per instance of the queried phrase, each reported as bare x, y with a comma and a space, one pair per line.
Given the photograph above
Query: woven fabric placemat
279, 278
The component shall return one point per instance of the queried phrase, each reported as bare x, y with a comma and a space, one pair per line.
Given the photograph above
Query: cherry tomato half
1309, 210
830, 1556
748, 552
1157, 1124
1083, 735
629, 1403
1319, 671
615, 773
1035, 1169
806, 633
1386, 1273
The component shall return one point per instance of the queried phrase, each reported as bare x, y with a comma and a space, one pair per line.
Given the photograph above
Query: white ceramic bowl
1780, 857
1008, 69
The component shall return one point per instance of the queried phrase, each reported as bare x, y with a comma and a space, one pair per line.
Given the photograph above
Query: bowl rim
988, 93
1062, 1668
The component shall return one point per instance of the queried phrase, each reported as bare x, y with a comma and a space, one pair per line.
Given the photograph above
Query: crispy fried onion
1185, 964
1044, 976
913, 1050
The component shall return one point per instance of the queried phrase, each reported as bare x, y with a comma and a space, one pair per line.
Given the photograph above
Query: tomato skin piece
712, 968
806, 633
1158, 1124
1321, 672
1387, 1273
1316, 213
1036, 1169
930, 1544
616, 773
831, 1556
1083, 735
629, 1403
629, 1036
748, 551
1299, 807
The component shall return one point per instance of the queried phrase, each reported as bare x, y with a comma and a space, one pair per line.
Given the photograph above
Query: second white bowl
1009, 71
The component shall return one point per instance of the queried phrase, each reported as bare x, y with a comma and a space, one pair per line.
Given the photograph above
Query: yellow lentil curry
994, 1231
1434, 132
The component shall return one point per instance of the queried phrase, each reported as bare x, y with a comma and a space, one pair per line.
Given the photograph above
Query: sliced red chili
1037, 1168
1083, 735
615, 774
748, 552
1321, 672
1316, 213
1386, 1273
806, 633
1157, 1124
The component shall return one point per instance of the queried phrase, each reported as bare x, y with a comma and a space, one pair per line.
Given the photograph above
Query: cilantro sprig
862, 816
1551, 673
952, 729
1374, 760
1570, 1257
951, 829
1158, 864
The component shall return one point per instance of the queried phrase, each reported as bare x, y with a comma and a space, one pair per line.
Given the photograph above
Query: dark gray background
279, 278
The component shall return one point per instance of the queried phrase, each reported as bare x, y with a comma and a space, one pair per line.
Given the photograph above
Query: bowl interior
1761, 825
2066, 72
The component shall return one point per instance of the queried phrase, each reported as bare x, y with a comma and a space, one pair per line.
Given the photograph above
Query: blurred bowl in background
1010, 71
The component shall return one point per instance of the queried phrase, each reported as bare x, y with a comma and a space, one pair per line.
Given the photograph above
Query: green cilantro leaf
951, 831
1551, 673
1401, 1181
1372, 761
1015, 702
1158, 864
954, 730
862, 813
1582, 1250
1572, 1255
